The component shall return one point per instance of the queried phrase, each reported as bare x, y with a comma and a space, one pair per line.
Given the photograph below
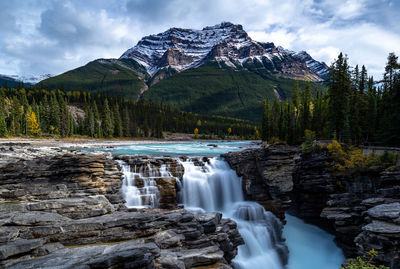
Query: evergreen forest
39, 112
356, 109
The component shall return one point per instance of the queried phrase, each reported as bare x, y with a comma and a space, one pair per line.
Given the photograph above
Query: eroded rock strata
266, 175
362, 209
64, 209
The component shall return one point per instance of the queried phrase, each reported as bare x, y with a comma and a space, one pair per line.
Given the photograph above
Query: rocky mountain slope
220, 66
181, 49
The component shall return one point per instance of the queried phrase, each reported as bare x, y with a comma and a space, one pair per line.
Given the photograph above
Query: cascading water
216, 187
139, 187
206, 189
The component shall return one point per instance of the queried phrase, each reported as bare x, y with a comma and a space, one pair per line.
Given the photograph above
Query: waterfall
139, 187
214, 186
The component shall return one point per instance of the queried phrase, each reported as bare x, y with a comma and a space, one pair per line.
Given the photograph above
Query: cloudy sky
53, 36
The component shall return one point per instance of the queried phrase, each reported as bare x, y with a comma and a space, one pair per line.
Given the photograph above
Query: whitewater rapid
215, 187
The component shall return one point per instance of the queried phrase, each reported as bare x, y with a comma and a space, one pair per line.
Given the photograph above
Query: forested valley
38, 112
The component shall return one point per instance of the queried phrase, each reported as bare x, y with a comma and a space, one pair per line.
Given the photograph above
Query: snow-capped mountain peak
30, 79
226, 42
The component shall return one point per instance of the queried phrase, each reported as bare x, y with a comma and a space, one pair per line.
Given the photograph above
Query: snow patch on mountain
30, 79
182, 49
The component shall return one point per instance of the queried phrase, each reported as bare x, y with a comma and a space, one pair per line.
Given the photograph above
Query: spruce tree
305, 111
3, 125
126, 123
117, 121
54, 115
107, 125
339, 91
275, 118
97, 122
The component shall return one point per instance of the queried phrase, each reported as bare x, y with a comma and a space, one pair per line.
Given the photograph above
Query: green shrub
365, 262
350, 158
309, 144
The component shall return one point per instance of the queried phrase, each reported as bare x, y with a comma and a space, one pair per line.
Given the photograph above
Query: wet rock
377, 226
385, 211
64, 209
203, 256
168, 191
19, 247
209, 221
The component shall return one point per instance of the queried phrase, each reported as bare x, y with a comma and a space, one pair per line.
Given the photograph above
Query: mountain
15, 80
123, 77
32, 79
182, 49
217, 70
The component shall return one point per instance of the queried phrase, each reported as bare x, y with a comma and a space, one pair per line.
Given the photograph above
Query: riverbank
96, 143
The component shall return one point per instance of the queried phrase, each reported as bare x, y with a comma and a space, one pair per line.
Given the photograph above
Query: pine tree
117, 122
54, 115
372, 111
3, 125
126, 123
305, 112
107, 125
354, 107
97, 122
275, 118
339, 91
296, 95
64, 120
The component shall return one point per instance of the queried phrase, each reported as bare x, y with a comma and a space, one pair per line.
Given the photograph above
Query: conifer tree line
34, 112
355, 110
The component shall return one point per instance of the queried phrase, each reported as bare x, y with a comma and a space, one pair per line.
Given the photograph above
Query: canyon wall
362, 209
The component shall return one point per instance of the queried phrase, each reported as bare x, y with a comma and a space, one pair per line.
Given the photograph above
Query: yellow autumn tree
33, 124
229, 130
196, 132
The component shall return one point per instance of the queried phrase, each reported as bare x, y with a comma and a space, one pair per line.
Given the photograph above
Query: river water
216, 187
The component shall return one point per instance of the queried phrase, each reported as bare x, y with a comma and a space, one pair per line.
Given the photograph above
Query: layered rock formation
167, 174
64, 209
360, 208
267, 175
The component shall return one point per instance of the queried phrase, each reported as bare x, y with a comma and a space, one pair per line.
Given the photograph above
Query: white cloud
325, 54
280, 37
350, 9
54, 36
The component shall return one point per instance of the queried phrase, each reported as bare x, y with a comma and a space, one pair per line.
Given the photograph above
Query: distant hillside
218, 70
11, 82
213, 90
107, 76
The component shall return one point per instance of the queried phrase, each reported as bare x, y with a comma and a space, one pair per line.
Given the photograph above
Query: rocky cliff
362, 209
64, 209
267, 175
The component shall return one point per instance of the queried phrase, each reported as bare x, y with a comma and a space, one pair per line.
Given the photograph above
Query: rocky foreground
64, 209
362, 209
